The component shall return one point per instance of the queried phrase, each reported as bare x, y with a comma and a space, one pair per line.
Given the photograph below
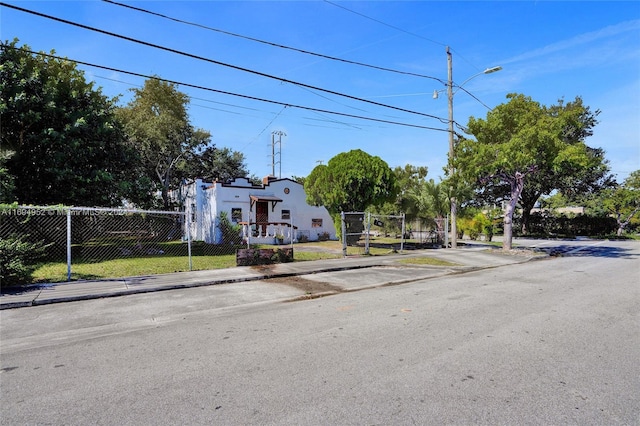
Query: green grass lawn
57, 272
426, 261
163, 264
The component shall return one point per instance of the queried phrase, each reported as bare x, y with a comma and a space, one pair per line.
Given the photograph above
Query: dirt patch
263, 269
519, 251
311, 288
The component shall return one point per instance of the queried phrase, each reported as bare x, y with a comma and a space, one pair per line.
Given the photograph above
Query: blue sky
548, 50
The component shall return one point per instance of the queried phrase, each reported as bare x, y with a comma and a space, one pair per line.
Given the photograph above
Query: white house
277, 208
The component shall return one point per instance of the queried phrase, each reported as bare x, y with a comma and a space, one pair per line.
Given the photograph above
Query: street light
450, 93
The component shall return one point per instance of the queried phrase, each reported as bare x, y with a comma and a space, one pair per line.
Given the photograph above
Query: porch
268, 232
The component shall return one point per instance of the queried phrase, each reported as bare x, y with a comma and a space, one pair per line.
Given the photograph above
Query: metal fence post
292, 232
366, 235
446, 233
249, 230
403, 231
188, 223
344, 236
69, 244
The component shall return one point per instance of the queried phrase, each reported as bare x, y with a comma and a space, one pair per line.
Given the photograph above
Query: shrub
324, 236
231, 232
548, 223
18, 259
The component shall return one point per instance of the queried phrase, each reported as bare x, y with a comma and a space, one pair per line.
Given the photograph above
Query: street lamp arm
450, 93
459, 86
487, 71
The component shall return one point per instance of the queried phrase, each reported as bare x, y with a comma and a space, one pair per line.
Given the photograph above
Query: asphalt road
547, 342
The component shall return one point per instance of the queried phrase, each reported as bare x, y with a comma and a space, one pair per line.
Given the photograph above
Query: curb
100, 294
131, 291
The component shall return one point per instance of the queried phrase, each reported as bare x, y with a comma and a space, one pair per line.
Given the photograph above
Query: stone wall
249, 257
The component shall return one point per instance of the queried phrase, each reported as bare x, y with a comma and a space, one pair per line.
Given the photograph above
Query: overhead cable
179, 52
385, 24
398, 29
333, 58
3, 46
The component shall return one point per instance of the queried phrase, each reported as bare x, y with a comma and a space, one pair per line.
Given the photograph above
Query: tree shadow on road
569, 250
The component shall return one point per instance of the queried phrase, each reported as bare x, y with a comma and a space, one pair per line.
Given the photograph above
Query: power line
3, 46
474, 97
269, 43
386, 25
399, 29
190, 97
168, 49
265, 128
324, 118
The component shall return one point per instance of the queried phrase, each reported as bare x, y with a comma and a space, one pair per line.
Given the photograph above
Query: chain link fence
97, 243
432, 233
364, 233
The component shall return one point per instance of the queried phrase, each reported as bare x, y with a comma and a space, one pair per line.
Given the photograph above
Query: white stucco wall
209, 199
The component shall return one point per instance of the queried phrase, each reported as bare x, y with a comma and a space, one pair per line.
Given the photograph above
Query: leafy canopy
351, 181
172, 150
549, 141
621, 202
61, 143
515, 137
523, 147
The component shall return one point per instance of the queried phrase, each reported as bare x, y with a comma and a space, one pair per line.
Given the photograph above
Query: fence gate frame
367, 219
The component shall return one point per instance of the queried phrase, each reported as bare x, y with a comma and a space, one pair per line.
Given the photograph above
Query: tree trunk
528, 199
517, 184
165, 180
508, 225
623, 223
526, 215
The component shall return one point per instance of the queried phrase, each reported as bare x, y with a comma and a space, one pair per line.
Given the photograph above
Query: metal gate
359, 229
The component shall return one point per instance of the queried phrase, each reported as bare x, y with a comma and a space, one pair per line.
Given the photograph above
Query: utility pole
273, 152
452, 170
454, 207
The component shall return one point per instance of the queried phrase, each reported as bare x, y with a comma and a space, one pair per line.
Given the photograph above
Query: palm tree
432, 202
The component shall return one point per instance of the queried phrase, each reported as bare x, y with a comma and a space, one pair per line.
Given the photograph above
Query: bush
18, 259
231, 232
548, 223
324, 236
479, 224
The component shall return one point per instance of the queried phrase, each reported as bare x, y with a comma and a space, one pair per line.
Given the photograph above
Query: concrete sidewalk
470, 257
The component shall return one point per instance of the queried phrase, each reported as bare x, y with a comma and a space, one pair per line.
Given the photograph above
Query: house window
193, 213
286, 214
316, 223
236, 215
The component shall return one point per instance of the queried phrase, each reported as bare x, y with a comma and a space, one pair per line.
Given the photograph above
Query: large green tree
586, 170
621, 202
408, 179
213, 163
432, 202
523, 143
351, 181
157, 124
60, 140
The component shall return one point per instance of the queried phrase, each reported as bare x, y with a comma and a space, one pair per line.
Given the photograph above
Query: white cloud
578, 41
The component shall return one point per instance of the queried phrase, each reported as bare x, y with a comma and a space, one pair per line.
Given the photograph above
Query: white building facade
275, 210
